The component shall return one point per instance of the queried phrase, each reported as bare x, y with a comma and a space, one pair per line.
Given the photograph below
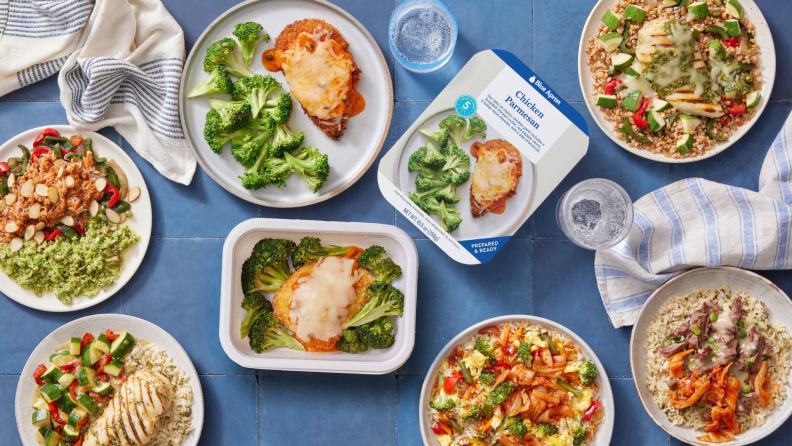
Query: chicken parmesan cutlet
321, 73
317, 300
495, 176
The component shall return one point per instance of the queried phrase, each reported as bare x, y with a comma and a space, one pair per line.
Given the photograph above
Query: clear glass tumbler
595, 214
422, 35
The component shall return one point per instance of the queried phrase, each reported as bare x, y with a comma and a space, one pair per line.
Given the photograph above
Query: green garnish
714, 317
696, 331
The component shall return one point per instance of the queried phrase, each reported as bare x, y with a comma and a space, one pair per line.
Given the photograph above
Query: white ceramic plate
140, 223
489, 225
779, 309
236, 250
140, 329
605, 431
365, 134
767, 63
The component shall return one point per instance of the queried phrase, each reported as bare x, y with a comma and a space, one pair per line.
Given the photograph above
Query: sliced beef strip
700, 320
723, 356
703, 363
755, 344
681, 330
673, 349
725, 336
673, 383
736, 314
709, 307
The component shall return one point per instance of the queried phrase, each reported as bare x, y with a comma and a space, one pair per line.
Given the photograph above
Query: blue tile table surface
539, 272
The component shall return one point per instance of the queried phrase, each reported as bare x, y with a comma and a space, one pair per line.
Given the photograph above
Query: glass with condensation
422, 35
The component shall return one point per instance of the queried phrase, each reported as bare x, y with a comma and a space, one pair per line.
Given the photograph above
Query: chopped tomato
88, 337
110, 335
47, 132
610, 87
436, 429
450, 382
38, 372
510, 350
76, 140
733, 42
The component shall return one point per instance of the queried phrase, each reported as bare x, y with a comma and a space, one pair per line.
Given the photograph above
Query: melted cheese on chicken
319, 75
320, 304
493, 178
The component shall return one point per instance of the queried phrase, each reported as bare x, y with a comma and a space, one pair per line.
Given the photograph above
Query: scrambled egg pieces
475, 360
563, 439
581, 404
444, 440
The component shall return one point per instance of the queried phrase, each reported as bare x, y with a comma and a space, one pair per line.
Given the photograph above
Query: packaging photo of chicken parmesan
483, 156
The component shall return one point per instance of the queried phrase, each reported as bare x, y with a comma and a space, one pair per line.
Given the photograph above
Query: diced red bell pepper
40, 370
510, 350
733, 42
79, 440
80, 231
50, 236
110, 335
638, 118
100, 365
640, 121
88, 337
76, 140
72, 389
595, 406
737, 110
110, 189
38, 152
53, 408
492, 329
450, 382
95, 396
725, 122
103, 376
47, 132
740, 121
4, 168
502, 364
68, 368
436, 429
610, 87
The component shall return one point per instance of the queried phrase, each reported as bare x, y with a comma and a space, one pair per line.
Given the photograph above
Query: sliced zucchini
103, 344
630, 71
40, 404
698, 10
52, 374
88, 404
610, 42
50, 392
752, 99
70, 433
74, 346
603, 100
670, 3
86, 376
76, 416
114, 367
635, 13
51, 438
659, 104
104, 389
717, 51
689, 123
90, 355
66, 403
632, 100
42, 418
734, 9
732, 27
685, 144
66, 379
656, 122
621, 61
122, 345
61, 358
611, 20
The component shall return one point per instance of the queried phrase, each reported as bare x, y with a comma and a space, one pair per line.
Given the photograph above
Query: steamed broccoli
487, 377
310, 249
246, 150
377, 334
459, 176
277, 170
524, 353
370, 256
266, 334
217, 138
425, 181
448, 193
268, 265
350, 342
485, 348
501, 392
279, 108
434, 158
311, 165
222, 53
217, 83
248, 35
230, 115
284, 140
442, 402
456, 126
515, 427
255, 90
473, 414
579, 436
255, 304
450, 218
587, 372
439, 136
477, 127
416, 162
386, 270
544, 430
256, 177
425, 200
457, 159
383, 300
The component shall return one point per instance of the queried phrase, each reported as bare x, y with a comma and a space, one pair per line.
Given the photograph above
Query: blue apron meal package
483, 156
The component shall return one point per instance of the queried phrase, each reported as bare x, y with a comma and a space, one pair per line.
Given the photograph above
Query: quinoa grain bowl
676, 80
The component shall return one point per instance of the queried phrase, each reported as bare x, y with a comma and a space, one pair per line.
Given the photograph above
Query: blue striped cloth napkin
695, 222
119, 64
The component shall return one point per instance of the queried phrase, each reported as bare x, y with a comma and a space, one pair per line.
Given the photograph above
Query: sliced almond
40, 225
123, 217
39, 237
134, 193
10, 199
11, 180
2, 205
93, 208
60, 172
35, 211
67, 220
29, 232
41, 190
53, 194
100, 183
113, 216
11, 227
69, 181
27, 189
16, 244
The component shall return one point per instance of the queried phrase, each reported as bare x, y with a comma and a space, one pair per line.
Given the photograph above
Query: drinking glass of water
595, 214
422, 35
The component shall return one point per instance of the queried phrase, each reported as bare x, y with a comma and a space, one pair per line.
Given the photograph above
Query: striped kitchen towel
120, 63
696, 222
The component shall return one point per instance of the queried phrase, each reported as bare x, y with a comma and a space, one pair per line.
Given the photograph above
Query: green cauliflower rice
71, 268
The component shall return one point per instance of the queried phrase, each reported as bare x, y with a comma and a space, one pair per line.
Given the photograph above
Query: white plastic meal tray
237, 249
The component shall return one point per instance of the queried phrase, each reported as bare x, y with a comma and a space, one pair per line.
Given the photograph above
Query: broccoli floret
284, 140
456, 126
255, 304
450, 218
350, 342
487, 377
587, 372
311, 165
310, 249
442, 402
579, 436
447, 193
544, 430
255, 177
279, 108
425, 181
457, 159
231, 115
248, 35
524, 353
218, 82
277, 170
416, 162
459, 176
515, 427
477, 127
378, 333
501, 392
425, 200
370, 256
439, 136
222, 53
247, 150
268, 265
383, 300
386, 270
485, 348
473, 414
255, 90
266, 334
217, 138
433, 159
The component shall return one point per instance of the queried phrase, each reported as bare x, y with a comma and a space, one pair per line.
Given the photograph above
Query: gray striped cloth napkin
120, 63
696, 222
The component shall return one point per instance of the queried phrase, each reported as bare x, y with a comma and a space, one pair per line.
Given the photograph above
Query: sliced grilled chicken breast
652, 38
686, 101
131, 416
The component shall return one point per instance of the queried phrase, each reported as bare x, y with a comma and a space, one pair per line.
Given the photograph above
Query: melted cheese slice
319, 79
492, 179
319, 306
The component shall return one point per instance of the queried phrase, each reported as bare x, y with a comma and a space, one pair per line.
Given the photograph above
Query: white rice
676, 311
